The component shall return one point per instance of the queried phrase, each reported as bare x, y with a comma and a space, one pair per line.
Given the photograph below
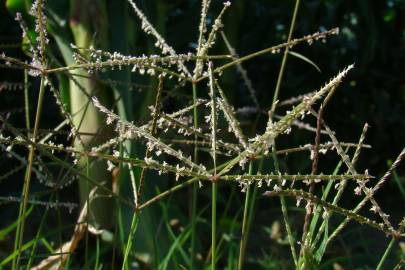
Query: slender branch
153, 127
330, 207
274, 49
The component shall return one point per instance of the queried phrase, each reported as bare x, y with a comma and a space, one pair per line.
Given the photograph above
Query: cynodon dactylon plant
119, 163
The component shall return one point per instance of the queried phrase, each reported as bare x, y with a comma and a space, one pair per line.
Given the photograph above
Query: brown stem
153, 132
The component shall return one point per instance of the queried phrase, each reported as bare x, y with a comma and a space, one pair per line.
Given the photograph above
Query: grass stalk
385, 255
86, 250
214, 226
37, 237
341, 189
245, 222
285, 55
26, 101
213, 124
195, 185
128, 246
293, 42
273, 107
361, 204
96, 122
284, 211
27, 179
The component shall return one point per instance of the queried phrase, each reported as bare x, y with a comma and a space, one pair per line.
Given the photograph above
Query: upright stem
273, 107
128, 247
304, 243
243, 240
284, 61
27, 179
195, 185
385, 255
214, 159
214, 225
26, 101
285, 214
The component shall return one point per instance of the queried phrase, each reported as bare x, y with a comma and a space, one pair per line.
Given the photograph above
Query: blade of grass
128, 247
305, 59
172, 234
30, 243
180, 240
385, 255
399, 183
10, 228
37, 237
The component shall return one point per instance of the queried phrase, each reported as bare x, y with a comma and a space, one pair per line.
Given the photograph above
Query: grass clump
193, 138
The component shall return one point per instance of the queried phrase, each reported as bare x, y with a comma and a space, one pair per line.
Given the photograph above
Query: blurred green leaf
305, 59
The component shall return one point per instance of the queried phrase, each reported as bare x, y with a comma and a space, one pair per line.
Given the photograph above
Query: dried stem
153, 127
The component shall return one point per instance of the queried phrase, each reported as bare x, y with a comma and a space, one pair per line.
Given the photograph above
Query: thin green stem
385, 255
273, 107
253, 202
288, 229
128, 247
26, 101
213, 123
214, 225
341, 188
294, 42
37, 237
309, 197
360, 205
290, 237
119, 225
86, 250
195, 185
243, 240
284, 61
153, 127
27, 179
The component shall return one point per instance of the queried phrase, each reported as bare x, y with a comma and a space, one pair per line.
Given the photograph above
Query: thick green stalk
86, 117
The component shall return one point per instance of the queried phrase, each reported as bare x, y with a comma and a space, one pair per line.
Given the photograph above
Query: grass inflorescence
104, 148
